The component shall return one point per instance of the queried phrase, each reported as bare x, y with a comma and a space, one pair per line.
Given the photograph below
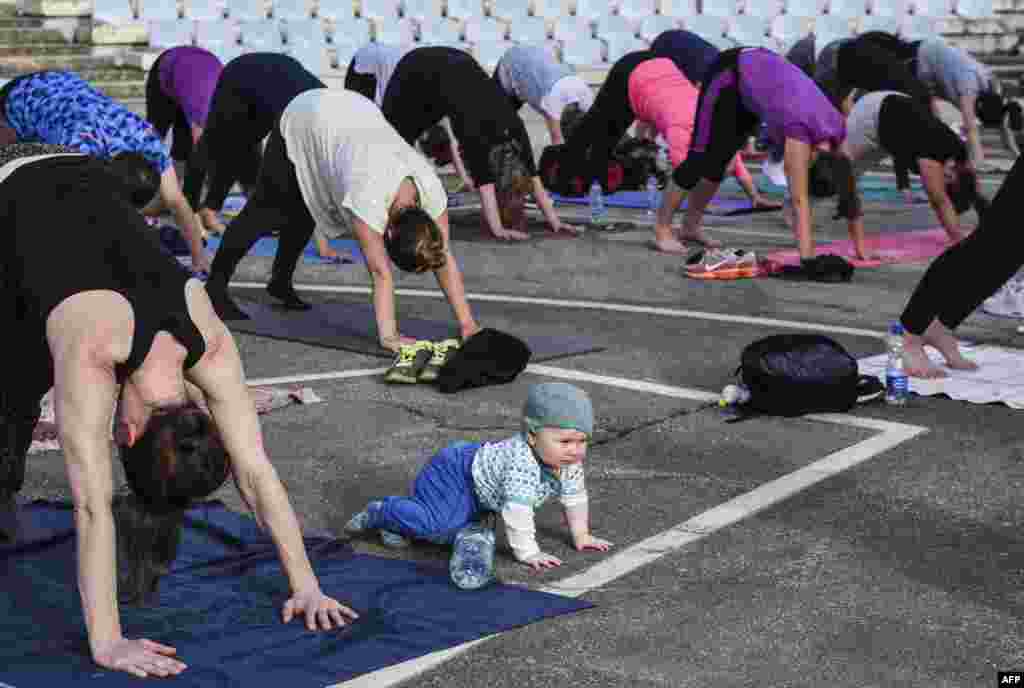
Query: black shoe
286, 293
8, 519
225, 308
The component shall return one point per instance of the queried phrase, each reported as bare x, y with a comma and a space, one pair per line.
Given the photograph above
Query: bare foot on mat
669, 246
943, 340
698, 237
917, 364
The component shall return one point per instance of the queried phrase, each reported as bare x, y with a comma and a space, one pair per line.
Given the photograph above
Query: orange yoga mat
918, 246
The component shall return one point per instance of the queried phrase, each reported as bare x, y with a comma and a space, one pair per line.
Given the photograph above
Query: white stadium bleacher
588, 34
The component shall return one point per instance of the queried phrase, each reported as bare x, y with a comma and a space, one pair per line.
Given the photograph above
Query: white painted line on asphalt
684, 534
313, 377
592, 305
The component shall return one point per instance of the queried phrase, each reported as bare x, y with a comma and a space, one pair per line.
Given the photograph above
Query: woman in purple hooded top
743, 88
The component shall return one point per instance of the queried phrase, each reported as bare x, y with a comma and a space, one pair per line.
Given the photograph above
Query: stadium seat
343, 52
618, 44
677, 8
335, 10
851, 9
932, 8
636, 10
383, 10
592, 9
421, 10
528, 30
440, 31
752, 31
261, 36
889, 8
808, 8
353, 30
307, 32
292, 10
653, 26
315, 58
484, 29
487, 53
915, 27
787, 29
720, 8
226, 52
203, 10
159, 10
583, 52
113, 11
613, 24
510, 10
974, 9
572, 29
247, 10
706, 26
167, 33
463, 9
766, 9
873, 22
549, 9
210, 35
395, 31
829, 28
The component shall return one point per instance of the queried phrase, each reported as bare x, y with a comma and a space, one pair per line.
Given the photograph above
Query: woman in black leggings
251, 93
870, 62
960, 279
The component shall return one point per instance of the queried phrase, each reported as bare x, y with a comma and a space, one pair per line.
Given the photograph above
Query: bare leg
916, 362
939, 336
699, 199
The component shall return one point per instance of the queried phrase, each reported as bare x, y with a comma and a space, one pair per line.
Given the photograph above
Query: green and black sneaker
442, 352
409, 361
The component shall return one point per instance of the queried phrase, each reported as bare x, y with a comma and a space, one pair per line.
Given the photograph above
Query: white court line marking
592, 305
686, 533
313, 377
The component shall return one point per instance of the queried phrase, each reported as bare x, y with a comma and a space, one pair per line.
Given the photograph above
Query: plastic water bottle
652, 195
734, 395
598, 213
896, 383
472, 564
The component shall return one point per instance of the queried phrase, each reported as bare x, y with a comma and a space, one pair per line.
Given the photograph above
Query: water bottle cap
896, 327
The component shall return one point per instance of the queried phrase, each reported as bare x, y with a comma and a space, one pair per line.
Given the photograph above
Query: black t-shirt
104, 245
265, 83
910, 131
432, 83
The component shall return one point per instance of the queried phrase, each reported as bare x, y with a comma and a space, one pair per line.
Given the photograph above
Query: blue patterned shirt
62, 108
507, 472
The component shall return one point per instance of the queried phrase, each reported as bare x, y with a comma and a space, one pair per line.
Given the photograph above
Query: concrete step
123, 90
54, 55
32, 36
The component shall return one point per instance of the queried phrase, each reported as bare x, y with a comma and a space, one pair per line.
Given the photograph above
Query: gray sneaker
360, 523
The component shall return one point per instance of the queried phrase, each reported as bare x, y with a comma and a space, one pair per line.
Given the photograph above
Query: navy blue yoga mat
221, 608
267, 248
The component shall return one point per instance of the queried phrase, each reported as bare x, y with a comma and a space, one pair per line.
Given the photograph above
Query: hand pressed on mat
322, 612
140, 657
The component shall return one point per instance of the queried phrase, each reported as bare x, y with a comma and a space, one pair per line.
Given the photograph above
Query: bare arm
449, 278
972, 130
934, 180
460, 166
84, 394
188, 221
378, 264
547, 207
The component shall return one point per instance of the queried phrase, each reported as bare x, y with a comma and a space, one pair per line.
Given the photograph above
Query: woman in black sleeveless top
112, 309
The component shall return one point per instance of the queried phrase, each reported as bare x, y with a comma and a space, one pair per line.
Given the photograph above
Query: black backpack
794, 374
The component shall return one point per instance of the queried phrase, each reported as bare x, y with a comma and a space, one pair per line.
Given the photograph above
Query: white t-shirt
350, 161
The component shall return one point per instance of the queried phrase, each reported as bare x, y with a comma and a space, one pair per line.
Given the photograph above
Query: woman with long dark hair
112, 320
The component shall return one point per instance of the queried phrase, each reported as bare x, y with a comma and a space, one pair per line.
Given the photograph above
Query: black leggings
228, 152
721, 125
163, 112
592, 142
275, 205
864, 64
365, 84
960, 279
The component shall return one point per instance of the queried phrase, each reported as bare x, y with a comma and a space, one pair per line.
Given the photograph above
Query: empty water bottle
896, 383
598, 213
472, 563
734, 395
652, 195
